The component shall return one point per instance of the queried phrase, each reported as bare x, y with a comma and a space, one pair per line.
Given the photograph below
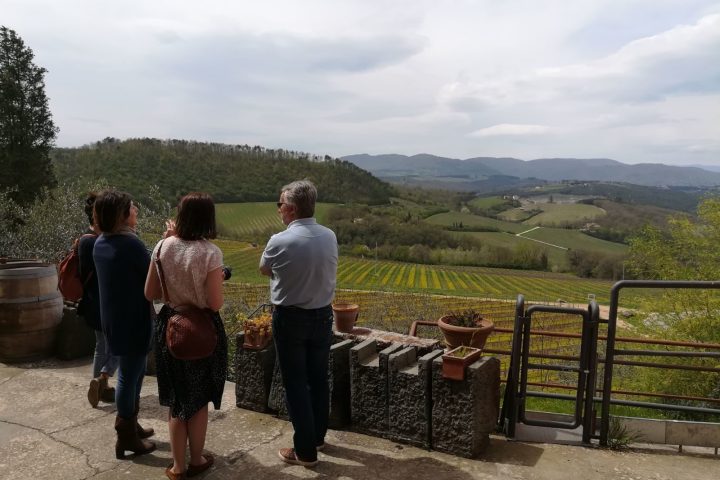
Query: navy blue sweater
121, 265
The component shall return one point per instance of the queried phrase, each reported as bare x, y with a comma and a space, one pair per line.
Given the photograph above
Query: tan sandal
198, 469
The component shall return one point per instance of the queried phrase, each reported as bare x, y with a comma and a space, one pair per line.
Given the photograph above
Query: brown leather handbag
190, 333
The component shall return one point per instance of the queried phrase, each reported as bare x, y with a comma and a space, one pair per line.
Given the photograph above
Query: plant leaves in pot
465, 328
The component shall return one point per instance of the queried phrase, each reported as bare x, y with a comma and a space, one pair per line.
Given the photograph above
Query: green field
471, 221
486, 202
553, 214
243, 220
557, 214
518, 214
365, 274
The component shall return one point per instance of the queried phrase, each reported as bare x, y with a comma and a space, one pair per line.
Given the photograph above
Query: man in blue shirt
301, 262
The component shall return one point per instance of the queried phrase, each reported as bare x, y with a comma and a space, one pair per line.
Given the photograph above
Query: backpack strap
76, 246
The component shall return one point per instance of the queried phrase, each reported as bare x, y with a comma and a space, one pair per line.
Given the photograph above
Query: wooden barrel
31, 309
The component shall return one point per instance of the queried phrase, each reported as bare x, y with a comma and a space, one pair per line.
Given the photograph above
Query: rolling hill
231, 173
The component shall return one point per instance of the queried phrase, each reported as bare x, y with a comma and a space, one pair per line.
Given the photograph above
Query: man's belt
299, 309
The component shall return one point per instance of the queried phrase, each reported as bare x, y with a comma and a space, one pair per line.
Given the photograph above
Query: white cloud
634, 80
510, 129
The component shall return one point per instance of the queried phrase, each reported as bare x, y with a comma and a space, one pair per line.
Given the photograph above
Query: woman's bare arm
214, 289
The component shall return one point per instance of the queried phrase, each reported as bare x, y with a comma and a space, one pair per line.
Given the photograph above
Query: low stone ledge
385, 339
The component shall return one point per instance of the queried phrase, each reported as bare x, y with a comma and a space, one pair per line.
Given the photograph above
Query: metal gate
516, 391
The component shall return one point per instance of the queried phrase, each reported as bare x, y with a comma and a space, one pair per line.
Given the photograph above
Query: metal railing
611, 351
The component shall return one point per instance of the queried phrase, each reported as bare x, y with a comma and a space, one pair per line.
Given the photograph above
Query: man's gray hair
302, 194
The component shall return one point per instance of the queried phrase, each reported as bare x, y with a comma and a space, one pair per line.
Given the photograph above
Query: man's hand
266, 270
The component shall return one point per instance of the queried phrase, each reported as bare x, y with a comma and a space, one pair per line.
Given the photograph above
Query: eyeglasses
280, 204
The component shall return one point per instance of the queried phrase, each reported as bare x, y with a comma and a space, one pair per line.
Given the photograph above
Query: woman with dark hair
104, 362
121, 263
193, 273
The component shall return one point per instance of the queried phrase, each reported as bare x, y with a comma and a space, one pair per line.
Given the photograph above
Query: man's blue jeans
303, 339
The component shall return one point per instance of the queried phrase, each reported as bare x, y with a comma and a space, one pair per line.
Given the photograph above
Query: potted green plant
467, 327
455, 361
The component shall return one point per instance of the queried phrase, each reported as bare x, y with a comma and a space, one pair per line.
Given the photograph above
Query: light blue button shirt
303, 259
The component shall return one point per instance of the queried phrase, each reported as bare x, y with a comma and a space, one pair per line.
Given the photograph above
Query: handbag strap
166, 295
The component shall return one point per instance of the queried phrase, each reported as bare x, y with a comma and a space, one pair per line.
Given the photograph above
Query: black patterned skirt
186, 386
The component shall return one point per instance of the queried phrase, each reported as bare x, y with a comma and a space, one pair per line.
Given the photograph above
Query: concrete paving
49, 431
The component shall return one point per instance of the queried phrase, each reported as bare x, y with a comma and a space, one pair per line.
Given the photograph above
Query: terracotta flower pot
455, 361
474, 337
345, 316
256, 338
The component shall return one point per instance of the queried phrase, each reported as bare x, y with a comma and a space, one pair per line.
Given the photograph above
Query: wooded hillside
231, 173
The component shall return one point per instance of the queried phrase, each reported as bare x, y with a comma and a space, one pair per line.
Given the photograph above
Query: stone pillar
465, 412
276, 400
253, 370
339, 382
369, 387
409, 396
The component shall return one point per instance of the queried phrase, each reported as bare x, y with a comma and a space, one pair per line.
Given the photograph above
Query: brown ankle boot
127, 438
93, 394
142, 432
108, 395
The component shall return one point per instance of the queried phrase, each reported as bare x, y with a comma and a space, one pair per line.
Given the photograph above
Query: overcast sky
633, 80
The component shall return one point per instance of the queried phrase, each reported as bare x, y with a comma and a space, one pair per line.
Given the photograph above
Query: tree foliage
27, 131
46, 228
689, 250
392, 235
231, 173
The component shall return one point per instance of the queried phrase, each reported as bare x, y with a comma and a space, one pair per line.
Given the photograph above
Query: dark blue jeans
130, 374
302, 339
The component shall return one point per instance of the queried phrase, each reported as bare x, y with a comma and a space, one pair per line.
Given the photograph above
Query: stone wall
388, 389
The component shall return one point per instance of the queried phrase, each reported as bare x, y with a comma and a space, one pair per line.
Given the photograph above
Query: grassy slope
557, 257
575, 240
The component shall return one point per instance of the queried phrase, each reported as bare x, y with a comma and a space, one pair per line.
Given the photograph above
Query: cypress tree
27, 131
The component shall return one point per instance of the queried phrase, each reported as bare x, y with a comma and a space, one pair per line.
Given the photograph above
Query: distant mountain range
711, 168
425, 167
